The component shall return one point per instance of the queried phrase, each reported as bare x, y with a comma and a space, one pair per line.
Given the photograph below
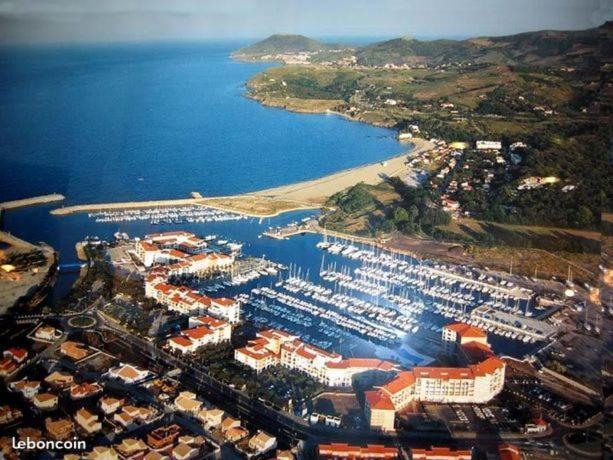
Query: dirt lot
22, 271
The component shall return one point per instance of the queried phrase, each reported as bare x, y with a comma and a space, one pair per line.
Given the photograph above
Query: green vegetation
532, 48
375, 210
407, 50
282, 43
541, 88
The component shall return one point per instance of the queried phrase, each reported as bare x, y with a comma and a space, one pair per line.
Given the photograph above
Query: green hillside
283, 43
530, 48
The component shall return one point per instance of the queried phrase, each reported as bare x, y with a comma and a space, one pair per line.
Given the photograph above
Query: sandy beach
310, 194
316, 191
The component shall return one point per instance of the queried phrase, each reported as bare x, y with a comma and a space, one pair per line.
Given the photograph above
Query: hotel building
477, 382
204, 330
181, 253
274, 347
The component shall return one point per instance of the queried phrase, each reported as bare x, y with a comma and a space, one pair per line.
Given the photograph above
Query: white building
128, 373
180, 253
274, 347
204, 330
262, 442
489, 145
475, 383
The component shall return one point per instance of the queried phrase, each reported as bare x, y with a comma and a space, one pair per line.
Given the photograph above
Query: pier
293, 229
125, 205
33, 201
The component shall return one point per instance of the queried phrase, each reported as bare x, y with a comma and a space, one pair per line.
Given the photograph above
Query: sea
120, 122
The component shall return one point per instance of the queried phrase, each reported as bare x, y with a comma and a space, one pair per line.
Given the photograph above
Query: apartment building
477, 382
274, 347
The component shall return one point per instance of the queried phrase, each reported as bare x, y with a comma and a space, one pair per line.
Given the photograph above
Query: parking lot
472, 418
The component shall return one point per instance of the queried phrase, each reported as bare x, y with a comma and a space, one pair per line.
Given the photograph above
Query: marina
167, 215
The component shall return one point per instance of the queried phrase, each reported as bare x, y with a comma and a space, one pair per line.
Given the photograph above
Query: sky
145, 20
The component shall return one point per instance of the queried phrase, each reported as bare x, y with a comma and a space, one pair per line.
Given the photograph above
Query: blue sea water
146, 121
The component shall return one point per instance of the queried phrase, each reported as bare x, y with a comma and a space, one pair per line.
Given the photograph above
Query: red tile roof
466, 330
197, 332
509, 452
182, 341
402, 381
439, 453
378, 400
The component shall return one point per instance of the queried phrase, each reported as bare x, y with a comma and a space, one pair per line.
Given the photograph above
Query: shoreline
304, 195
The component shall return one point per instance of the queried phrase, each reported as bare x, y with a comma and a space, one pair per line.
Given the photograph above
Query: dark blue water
100, 123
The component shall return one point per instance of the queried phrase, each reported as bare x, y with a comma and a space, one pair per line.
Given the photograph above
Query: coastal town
294, 249
176, 363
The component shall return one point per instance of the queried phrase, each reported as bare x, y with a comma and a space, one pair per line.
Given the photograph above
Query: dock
293, 229
33, 201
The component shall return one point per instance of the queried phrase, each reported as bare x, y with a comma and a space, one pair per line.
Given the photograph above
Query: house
102, 453
131, 415
214, 417
74, 350
235, 434
285, 455
110, 405
262, 442
191, 440
47, 333
163, 436
84, 390
229, 422
87, 421
187, 402
184, 451
18, 355
8, 367
59, 429
59, 379
488, 145
28, 388
131, 447
155, 455
28, 432
45, 401
201, 415
128, 373
12, 358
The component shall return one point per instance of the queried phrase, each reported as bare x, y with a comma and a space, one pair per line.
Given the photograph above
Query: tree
583, 217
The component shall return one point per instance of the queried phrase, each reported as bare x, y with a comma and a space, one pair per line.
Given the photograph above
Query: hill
281, 44
412, 51
531, 48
